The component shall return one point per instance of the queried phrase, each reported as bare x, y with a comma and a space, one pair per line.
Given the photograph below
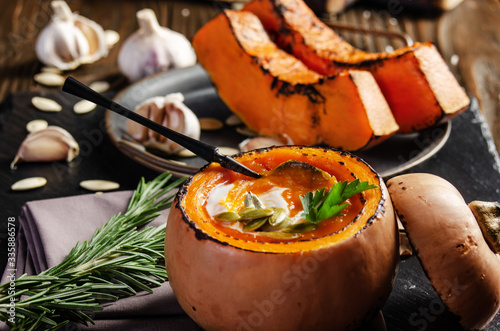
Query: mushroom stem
487, 215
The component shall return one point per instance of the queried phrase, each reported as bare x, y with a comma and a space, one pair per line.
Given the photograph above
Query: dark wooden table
468, 37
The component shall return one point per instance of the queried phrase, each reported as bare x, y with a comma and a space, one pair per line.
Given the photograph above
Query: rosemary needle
117, 262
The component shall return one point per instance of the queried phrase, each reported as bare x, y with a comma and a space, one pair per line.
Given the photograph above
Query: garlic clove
153, 48
111, 37
50, 144
170, 112
70, 40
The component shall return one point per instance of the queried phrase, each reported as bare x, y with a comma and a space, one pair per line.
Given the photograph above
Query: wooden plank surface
471, 36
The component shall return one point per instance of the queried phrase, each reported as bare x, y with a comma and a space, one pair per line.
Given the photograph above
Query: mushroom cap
449, 244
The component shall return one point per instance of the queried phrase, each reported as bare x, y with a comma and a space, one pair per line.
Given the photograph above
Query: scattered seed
301, 228
248, 214
83, 107
49, 79
278, 217
100, 86
210, 123
99, 185
45, 104
245, 131
111, 37
279, 235
252, 143
53, 70
28, 184
255, 200
36, 125
233, 120
185, 153
255, 224
185, 12
454, 59
228, 150
389, 49
228, 216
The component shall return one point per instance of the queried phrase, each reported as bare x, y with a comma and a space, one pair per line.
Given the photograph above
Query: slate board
468, 160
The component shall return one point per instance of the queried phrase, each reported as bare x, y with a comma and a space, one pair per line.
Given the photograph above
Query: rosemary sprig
117, 262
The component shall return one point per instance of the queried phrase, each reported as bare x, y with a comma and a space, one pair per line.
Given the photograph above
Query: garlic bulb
153, 48
170, 112
70, 40
50, 144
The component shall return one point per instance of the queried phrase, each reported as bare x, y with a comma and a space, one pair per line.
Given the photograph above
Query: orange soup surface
279, 187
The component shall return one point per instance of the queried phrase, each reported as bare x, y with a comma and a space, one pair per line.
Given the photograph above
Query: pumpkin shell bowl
330, 281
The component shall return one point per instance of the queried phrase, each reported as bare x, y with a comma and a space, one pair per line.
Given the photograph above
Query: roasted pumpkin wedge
417, 84
277, 95
332, 278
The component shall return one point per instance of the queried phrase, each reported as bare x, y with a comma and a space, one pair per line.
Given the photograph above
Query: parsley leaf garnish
320, 205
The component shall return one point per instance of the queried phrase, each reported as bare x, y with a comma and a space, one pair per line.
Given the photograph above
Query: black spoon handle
203, 150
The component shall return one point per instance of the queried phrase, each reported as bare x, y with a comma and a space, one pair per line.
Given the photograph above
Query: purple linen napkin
48, 229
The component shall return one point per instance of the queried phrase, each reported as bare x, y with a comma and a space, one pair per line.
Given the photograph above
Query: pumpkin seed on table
99, 185
186, 153
83, 107
53, 70
210, 123
49, 79
28, 183
45, 104
36, 125
100, 86
228, 150
245, 131
233, 120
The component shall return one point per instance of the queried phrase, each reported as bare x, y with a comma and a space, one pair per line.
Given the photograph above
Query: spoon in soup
201, 149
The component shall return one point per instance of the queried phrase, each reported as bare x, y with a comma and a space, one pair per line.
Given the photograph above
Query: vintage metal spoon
203, 150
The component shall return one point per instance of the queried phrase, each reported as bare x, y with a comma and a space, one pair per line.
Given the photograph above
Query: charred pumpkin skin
276, 95
419, 87
231, 284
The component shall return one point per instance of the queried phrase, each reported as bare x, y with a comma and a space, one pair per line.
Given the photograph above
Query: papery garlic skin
169, 111
50, 144
153, 48
70, 40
